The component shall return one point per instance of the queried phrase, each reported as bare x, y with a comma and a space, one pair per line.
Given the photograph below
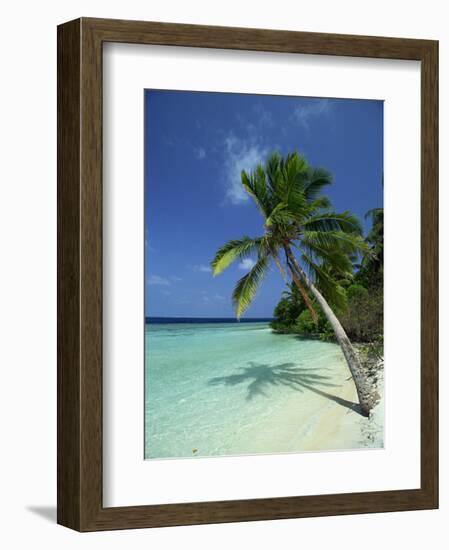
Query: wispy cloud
156, 280
207, 297
175, 278
305, 113
265, 117
246, 264
201, 268
240, 155
200, 153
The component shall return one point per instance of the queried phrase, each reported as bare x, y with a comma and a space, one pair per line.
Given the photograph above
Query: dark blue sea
202, 320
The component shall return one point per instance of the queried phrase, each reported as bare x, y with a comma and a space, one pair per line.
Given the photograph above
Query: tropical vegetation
362, 313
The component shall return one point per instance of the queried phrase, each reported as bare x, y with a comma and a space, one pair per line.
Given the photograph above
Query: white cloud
175, 278
201, 268
157, 280
264, 116
304, 113
246, 264
200, 153
241, 155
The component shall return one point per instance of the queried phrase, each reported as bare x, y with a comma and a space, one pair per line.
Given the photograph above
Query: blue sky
197, 143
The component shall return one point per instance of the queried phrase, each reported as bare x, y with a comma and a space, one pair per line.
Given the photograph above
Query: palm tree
375, 239
303, 236
370, 269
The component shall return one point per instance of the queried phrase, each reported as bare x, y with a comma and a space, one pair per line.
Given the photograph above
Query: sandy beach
322, 420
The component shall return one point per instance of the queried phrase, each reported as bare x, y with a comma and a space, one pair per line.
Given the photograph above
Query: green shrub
287, 311
305, 323
279, 326
327, 333
356, 292
363, 320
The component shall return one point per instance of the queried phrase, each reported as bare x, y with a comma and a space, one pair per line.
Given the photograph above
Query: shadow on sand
261, 377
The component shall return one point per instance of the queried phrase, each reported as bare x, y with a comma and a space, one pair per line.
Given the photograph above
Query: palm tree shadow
260, 378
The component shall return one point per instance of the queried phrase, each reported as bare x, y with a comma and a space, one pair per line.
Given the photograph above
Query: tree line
360, 308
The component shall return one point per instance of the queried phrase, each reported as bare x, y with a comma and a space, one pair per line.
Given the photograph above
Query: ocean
216, 387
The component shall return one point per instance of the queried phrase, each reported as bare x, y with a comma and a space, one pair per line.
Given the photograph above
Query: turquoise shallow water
231, 389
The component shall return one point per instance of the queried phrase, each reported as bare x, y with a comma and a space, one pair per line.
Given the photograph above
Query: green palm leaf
272, 170
255, 184
317, 178
375, 214
331, 221
281, 215
345, 242
339, 260
328, 285
247, 286
320, 203
233, 250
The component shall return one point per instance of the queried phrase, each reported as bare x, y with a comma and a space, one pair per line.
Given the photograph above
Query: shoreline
345, 430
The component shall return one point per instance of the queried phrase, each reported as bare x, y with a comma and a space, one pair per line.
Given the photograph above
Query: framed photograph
247, 274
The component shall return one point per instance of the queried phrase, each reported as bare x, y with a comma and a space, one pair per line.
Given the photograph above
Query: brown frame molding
80, 274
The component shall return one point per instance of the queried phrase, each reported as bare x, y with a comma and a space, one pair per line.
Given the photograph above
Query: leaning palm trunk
302, 290
367, 399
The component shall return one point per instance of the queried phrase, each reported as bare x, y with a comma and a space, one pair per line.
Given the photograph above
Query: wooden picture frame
80, 503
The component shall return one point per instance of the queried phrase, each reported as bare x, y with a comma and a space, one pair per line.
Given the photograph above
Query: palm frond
333, 221
347, 243
247, 286
320, 203
374, 214
281, 215
325, 282
289, 181
255, 184
296, 170
317, 178
337, 259
233, 250
272, 170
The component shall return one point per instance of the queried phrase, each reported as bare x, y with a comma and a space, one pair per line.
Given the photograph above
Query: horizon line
197, 317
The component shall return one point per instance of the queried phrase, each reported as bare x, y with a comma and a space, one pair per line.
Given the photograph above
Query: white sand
340, 429
318, 423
